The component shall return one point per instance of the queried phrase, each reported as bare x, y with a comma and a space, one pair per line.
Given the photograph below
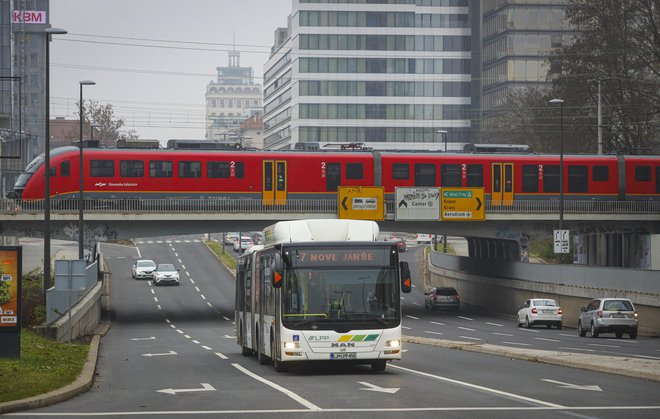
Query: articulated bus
321, 290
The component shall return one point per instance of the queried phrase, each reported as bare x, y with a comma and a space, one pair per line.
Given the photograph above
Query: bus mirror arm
278, 270
406, 281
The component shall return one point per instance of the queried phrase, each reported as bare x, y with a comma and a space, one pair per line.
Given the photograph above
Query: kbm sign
462, 204
29, 16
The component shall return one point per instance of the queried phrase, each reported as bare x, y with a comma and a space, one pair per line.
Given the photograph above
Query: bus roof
320, 230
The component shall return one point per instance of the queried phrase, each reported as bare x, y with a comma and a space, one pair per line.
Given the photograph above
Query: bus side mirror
278, 271
406, 281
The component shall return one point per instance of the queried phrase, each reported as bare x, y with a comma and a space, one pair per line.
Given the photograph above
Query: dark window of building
160, 168
424, 174
65, 168
217, 169
601, 174
551, 178
578, 179
643, 173
354, 171
190, 169
400, 171
102, 168
131, 168
475, 175
332, 177
530, 178
450, 175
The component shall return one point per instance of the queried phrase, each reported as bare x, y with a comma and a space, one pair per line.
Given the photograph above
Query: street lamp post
561, 160
443, 133
49, 32
444, 236
81, 235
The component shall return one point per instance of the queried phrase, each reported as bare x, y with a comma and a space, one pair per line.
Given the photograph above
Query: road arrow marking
373, 387
573, 386
163, 354
205, 387
151, 338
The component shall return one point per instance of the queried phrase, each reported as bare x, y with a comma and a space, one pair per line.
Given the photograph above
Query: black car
442, 297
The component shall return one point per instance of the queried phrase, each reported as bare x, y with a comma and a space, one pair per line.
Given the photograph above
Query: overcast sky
152, 59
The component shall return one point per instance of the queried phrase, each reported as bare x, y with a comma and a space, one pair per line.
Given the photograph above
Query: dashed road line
517, 343
465, 318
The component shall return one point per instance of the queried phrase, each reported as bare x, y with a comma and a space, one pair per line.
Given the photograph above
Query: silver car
608, 315
166, 274
143, 269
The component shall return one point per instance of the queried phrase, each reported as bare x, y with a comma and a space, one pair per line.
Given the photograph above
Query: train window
530, 178
578, 179
65, 168
160, 168
643, 173
400, 171
450, 175
332, 177
551, 178
424, 174
281, 173
354, 171
475, 175
600, 174
268, 176
190, 169
657, 179
240, 170
131, 168
217, 169
102, 168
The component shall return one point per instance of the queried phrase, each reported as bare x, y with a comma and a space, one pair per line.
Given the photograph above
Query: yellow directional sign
361, 202
462, 204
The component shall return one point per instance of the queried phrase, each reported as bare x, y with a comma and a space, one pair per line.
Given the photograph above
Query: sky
152, 59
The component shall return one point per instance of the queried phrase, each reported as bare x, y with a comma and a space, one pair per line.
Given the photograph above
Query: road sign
462, 204
361, 202
420, 204
562, 244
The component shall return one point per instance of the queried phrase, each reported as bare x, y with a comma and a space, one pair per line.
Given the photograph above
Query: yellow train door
274, 185
502, 184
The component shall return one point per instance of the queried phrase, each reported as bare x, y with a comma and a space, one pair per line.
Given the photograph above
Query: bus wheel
378, 366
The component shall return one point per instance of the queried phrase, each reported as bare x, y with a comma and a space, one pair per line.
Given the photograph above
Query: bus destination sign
311, 257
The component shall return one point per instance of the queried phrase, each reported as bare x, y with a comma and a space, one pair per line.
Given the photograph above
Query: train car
276, 177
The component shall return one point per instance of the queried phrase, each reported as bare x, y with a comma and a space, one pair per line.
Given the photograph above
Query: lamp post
561, 160
81, 235
443, 133
49, 32
444, 236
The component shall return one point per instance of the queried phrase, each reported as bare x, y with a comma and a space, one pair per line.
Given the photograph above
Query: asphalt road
171, 352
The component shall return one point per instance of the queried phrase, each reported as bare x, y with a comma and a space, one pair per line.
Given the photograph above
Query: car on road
608, 315
442, 297
540, 311
230, 238
400, 243
165, 274
423, 238
244, 243
143, 269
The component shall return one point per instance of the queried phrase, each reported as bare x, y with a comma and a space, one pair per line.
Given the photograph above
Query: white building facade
391, 74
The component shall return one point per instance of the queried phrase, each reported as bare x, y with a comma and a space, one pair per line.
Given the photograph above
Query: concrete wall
504, 286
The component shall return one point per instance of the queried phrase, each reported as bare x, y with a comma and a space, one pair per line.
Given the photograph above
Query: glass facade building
386, 73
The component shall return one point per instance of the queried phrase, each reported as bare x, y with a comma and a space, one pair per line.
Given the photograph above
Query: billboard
10, 288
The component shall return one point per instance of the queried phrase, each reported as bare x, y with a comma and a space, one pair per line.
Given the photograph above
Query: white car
230, 238
537, 311
244, 243
423, 238
143, 269
165, 274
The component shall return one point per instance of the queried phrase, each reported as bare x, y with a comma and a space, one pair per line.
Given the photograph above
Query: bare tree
107, 127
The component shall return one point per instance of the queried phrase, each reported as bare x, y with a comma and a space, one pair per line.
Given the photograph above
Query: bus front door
502, 184
274, 185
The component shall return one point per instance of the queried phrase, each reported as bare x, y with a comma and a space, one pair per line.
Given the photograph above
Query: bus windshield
318, 298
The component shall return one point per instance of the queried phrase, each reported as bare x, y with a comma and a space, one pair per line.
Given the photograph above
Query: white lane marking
229, 337
156, 299
470, 338
173, 391
183, 266
203, 298
548, 340
187, 336
466, 328
406, 327
416, 303
573, 386
643, 356
603, 346
464, 318
517, 343
412, 317
530, 330
159, 307
173, 326
373, 387
207, 348
502, 334
495, 324
161, 354
478, 387
209, 304
149, 338
289, 393
624, 341
176, 254
433, 333
197, 288
167, 321
196, 341
138, 252
225, 317
567, 335
402, 298
576, 349
438, 323
192, 282
221, 355
179, 331
152, 291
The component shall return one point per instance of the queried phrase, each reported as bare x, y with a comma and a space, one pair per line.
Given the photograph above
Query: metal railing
319, 206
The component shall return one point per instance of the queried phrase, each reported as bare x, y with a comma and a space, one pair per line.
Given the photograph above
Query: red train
275, 177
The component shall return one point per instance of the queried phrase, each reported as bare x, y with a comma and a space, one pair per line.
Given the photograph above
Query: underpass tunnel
489, 248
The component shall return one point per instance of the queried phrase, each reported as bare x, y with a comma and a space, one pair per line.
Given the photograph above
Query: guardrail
319, 206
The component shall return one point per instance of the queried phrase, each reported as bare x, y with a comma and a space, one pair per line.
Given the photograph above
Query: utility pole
600, 123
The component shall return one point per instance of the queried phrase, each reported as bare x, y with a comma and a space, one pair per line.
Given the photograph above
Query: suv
442, 297
608, 315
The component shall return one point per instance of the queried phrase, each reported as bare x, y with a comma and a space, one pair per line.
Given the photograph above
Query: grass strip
222, 254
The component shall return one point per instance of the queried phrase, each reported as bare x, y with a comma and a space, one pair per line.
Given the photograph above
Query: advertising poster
10, 288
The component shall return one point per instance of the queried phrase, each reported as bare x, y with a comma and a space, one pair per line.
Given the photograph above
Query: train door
502, 184
274, 186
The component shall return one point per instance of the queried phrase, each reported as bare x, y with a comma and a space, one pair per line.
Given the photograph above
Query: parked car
608, 315
442, 297
400, 243
143, 269
165, 274
540, 311
244, 243
423, 238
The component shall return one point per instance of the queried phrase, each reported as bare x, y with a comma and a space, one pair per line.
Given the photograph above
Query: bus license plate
343, 355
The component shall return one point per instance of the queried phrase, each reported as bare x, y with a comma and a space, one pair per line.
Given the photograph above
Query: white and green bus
321, 290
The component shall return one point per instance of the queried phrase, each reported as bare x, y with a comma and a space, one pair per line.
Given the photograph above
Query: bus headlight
393, 343
291, 345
